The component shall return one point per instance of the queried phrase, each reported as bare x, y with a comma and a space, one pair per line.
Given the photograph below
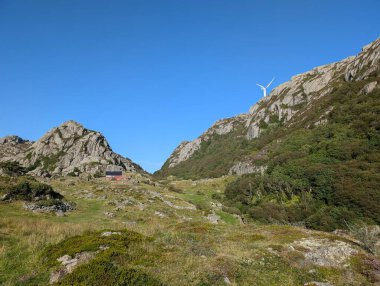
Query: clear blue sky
149, 74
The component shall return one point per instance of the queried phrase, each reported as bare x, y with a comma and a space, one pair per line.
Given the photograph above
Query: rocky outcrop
287, 103
187, 148
69, 264
324, 252
13, 147
184, 151
286, 100
213, 218
57, 206
369, 87
365, 64
242, 168
67, 149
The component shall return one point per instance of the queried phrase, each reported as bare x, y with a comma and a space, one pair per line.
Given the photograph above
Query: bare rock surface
369, 87
313, 283
189, 206
242, 168
59, 208
69, 264
213, 218
67, 149
324, 252
110, 233
13, 147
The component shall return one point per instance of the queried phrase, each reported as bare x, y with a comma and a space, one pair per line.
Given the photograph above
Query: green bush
27, 189
329, 218
231, 210
269, 212
175, 189
12, 168
216, 196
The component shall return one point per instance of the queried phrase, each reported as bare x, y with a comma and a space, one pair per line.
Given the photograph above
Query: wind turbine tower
264, 89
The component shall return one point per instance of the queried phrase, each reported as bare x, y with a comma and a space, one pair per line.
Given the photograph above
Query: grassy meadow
164, 238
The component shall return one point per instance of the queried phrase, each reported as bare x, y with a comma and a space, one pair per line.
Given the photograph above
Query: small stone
213, 218
64, 258
226, 280
109, 214
313, 283
60, 213
160, 214
109, 233
57, 275
104, 247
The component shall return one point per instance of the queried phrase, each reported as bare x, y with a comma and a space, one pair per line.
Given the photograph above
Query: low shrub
12, 168
27, 189
175, 189
231, 210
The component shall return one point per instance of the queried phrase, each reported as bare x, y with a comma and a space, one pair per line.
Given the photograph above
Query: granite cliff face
287, 105
67, 149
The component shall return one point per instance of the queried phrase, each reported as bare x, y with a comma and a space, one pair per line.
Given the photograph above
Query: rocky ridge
287, 104
69, 149
12, 147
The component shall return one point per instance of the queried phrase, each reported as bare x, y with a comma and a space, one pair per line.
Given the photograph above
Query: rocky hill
13, 147
69, 149
241, 144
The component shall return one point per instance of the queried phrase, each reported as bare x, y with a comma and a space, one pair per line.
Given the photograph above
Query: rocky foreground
140, 232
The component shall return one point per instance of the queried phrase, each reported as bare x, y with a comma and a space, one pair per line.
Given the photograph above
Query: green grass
226, 217
150, 250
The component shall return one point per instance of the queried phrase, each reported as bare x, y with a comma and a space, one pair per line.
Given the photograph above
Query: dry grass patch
2, 249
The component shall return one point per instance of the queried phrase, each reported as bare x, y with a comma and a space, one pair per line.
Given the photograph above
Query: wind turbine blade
270, 83
260, 85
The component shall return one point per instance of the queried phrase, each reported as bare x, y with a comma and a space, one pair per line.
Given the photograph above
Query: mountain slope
240, 144
309, 152
67, 149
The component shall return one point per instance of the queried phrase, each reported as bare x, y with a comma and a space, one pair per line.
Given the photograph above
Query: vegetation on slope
214, 157
183, 248
26, 189
12, 168
323, 176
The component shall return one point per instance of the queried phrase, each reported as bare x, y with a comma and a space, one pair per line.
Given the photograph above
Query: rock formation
12, 147
69, 149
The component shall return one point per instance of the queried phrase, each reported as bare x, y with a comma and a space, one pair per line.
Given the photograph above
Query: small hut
114, 172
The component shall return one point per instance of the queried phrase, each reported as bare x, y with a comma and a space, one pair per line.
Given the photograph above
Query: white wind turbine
264, 89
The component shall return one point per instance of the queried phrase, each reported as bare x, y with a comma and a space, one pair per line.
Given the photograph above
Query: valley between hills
285, 194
